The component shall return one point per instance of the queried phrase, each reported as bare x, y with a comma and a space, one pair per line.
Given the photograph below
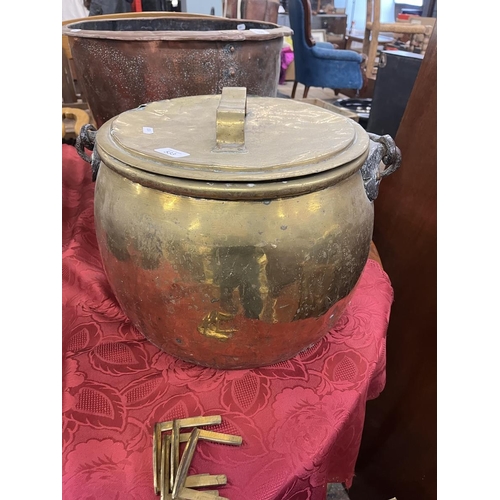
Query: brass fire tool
170, 470
182, 471
165, 466
168, 426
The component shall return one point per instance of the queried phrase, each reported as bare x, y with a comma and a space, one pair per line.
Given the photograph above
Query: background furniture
358, 36
398, 451
335, 26
301, 420
71, 94
73, 119
103, 7
256, 10
395, 78
319, 64
374, 27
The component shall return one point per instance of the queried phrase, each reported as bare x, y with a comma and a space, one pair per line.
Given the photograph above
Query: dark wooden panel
398, 451
333, 23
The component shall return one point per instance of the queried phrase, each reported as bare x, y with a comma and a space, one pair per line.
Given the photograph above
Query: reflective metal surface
232, 284
171, 480
283, 139
234, 274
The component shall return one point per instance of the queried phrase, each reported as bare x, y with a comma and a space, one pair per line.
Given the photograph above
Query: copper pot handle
230, 120
86, 139
382, 150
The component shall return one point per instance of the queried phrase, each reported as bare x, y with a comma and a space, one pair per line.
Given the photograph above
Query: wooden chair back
374, 27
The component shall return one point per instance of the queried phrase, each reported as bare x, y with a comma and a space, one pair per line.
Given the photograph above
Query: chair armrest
336, 54
324, 45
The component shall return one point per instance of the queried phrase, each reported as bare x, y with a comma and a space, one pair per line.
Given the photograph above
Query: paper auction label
173, 153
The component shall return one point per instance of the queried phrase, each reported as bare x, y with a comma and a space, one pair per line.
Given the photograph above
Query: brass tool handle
230, 120
190, 422
215, 437
185, 463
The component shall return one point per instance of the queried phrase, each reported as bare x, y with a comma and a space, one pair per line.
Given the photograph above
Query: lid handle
230, 120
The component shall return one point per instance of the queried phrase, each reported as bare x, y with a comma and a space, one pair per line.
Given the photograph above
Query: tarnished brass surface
284, 139
185, 463
165, 466
189, 494
174, 453
190, 422
216, 437
230, 259
182, 424
235, 191
278, 271
156, 458
199, 480
230, 124
170, 470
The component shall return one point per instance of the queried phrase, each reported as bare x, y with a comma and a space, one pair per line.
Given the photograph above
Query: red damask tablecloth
301, 420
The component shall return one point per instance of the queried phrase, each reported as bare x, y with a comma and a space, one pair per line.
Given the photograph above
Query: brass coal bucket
124, 62
233, 229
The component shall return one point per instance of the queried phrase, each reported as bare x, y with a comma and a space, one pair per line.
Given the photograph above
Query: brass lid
232, 138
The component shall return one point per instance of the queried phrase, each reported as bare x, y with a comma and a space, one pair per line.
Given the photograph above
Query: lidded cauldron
233, 229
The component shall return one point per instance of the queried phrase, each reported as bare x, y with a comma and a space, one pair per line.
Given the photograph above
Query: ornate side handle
382, 149
86, 139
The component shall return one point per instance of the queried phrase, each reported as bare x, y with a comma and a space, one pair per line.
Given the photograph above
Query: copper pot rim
273, 31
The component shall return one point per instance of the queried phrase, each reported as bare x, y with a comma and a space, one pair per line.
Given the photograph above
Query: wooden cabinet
398, 450
335, 26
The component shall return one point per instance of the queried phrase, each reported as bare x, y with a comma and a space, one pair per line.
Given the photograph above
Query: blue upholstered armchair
320, 64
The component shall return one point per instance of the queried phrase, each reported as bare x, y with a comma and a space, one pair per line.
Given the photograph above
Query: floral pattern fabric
301, 420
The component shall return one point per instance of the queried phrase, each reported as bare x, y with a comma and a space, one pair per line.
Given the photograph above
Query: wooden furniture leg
369, 16
372, 54
294, 89
306, 91
68, 86
366, 41
427, 37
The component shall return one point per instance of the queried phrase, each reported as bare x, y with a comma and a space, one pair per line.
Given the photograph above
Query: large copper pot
233, 230
124, 62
